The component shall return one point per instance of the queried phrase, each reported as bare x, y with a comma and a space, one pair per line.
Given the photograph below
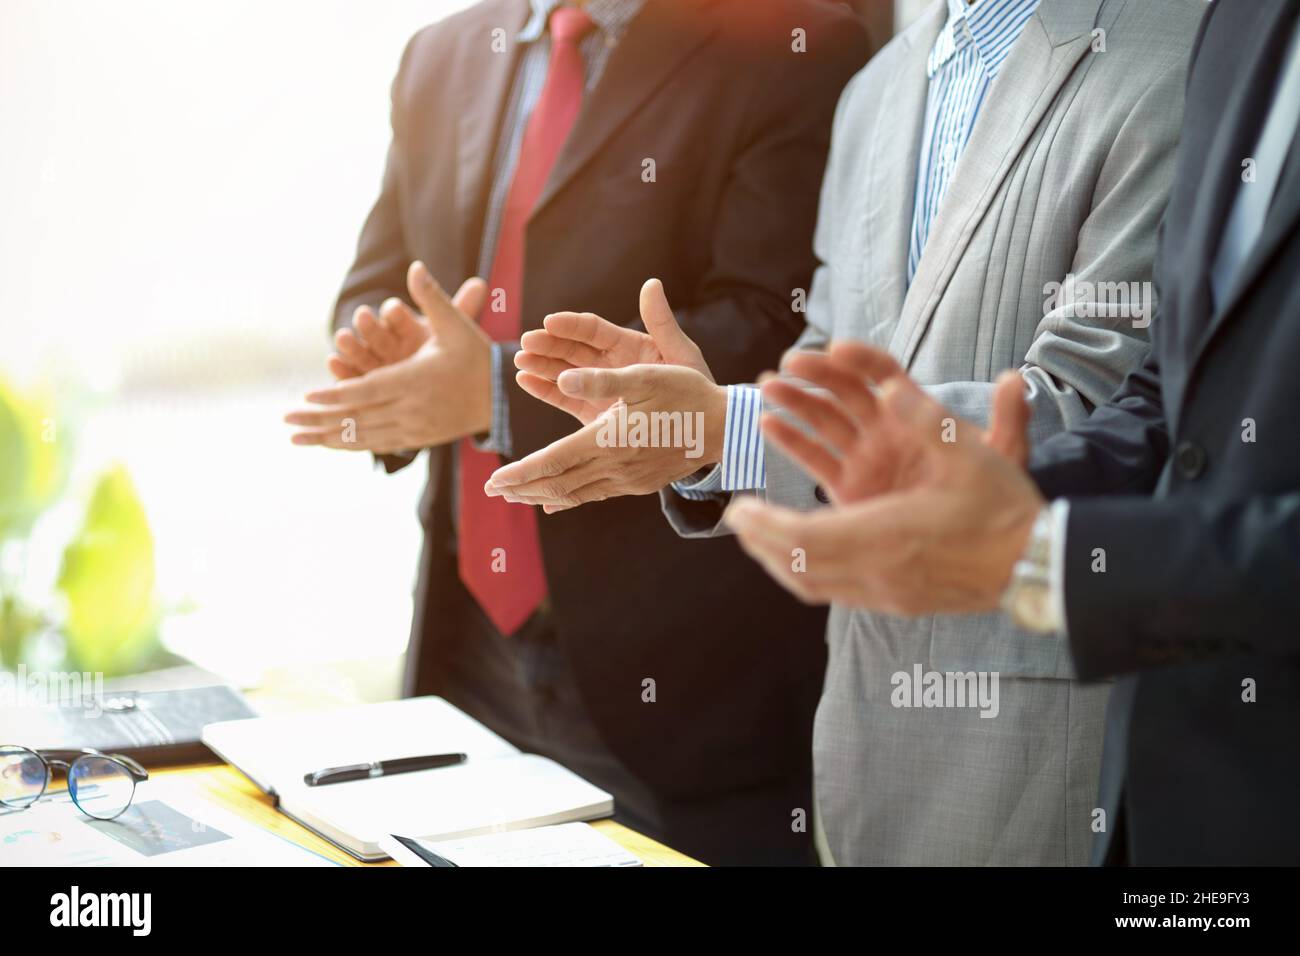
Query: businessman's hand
660, 424
935, 526
374, 340
439, 393
849, 448
570, 340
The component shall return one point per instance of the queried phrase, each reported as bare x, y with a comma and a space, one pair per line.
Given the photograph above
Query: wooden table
230, 789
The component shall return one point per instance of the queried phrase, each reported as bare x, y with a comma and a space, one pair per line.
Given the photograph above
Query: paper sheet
567, 844
162, 827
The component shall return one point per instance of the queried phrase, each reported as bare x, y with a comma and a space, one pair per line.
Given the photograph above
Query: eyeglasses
101, 785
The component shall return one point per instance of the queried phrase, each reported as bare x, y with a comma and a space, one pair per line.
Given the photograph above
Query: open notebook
497, 788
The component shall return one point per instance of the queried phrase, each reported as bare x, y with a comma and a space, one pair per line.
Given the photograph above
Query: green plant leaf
15, 464
33, 460
17, 624
108, 580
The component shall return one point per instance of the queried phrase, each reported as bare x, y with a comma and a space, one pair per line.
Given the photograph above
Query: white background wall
181, 185
174, 172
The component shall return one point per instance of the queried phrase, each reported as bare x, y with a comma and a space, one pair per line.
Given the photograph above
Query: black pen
424, 853
381, 768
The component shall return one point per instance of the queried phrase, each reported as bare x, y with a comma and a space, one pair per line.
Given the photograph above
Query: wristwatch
1028, 597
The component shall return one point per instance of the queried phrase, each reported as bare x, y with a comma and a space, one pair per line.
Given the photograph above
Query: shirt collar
991, 25
610, 16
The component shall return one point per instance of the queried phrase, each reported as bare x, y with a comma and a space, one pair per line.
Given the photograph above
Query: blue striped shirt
963, 64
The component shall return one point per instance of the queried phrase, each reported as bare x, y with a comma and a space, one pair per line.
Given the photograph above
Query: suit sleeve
1123, 446
1087, 343
378, 270
1120, 449
1184, 578
741, 313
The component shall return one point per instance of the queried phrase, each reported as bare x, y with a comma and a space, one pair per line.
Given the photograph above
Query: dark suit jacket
738, 125
1200, 527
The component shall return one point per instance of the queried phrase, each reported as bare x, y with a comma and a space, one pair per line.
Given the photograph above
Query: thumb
429, 295
471, 296
594, 384
674, 345
1008, 432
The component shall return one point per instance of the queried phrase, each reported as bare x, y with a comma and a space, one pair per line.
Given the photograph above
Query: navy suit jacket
1188, 481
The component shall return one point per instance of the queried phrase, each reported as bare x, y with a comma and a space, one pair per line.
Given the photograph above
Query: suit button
820, 494
1189, 460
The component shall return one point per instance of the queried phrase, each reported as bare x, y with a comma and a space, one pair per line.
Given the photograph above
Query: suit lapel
1278, 227
486, 83
659, 38
1044, 57
891, 172
1235, 140
1281, 221
1281, 224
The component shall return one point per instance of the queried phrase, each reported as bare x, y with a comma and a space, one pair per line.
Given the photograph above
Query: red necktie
500, 554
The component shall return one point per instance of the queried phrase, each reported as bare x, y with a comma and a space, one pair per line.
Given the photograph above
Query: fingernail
571, 381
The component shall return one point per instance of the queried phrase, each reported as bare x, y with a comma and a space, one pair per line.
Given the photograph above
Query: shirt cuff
701, 486
742, 467
1059, 519
742, 451
498, 440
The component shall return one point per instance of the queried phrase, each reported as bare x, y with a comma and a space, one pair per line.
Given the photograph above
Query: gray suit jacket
1066, 174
